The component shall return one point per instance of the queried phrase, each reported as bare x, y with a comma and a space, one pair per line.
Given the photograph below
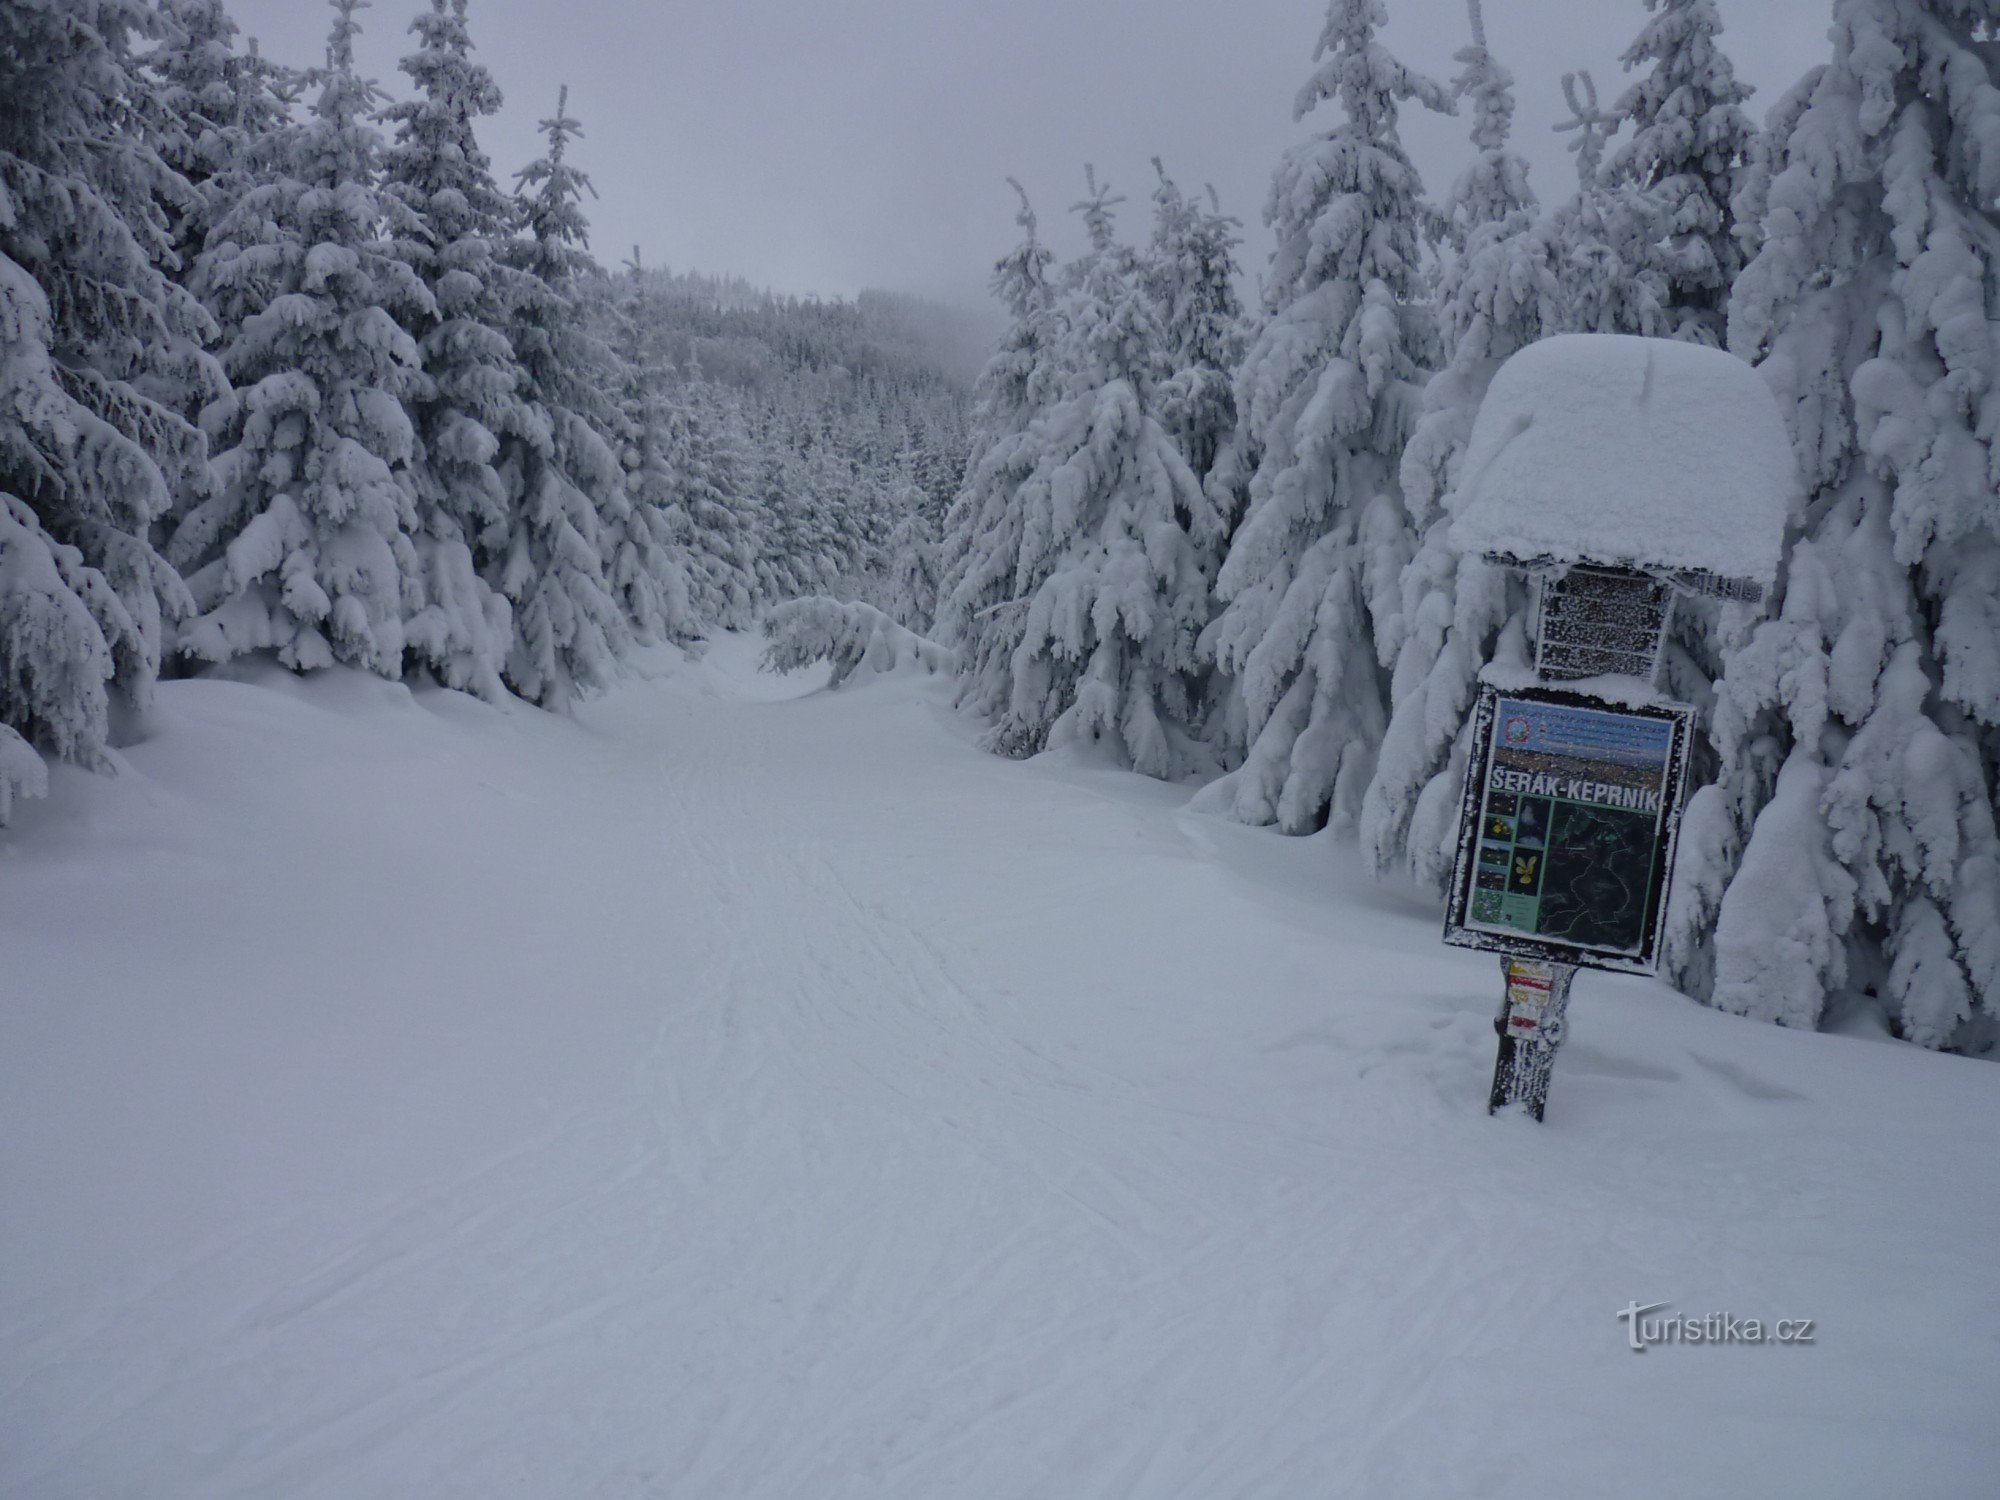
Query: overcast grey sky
831, 145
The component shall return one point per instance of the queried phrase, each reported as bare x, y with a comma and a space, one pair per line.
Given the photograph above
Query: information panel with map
1568, 828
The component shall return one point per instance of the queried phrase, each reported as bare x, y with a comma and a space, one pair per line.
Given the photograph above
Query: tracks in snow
857, 1192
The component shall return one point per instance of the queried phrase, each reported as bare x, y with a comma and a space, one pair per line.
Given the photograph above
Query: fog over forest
826, 148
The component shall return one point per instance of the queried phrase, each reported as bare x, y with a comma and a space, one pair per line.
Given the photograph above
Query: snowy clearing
748, 1091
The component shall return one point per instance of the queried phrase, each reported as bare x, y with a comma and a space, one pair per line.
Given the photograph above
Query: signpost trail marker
1531, 1024
1618, 473
1571, 810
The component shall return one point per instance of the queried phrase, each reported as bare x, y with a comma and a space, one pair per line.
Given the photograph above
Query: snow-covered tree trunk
1849, 846
1326, 397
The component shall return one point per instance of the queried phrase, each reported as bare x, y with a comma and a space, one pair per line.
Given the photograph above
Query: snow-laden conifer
913, 567
469, 391
708, 467
1849, 845
794, 559
91, 337
561, 473
797, 558
1191, 272
1498, 294
646, 538
218, 110
937, 462
847, 514
1616, 249
1650, 244
981, 610
1326, 398
1603, 242
1689, 141
1108, 544
305, 544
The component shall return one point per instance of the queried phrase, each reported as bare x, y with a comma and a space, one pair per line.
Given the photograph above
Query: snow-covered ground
746, 1091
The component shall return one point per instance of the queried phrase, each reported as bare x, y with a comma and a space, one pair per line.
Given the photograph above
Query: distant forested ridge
831, 423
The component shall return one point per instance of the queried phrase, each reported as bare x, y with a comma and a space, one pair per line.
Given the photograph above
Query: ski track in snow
800, 1103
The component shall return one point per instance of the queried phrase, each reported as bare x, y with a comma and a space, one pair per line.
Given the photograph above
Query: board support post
1592, 621
1531, 1025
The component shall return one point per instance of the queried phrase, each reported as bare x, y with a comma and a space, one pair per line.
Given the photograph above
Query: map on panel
1574, 808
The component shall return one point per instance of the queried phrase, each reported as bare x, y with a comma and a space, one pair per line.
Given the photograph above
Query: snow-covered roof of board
1629, 452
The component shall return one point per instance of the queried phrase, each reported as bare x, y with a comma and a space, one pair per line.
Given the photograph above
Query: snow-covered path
745, 1094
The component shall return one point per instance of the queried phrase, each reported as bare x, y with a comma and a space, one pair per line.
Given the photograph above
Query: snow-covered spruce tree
708, 466
1849, 846
1190, 272
1689, 142
824, 498
1616, 253
1650, 244
560, 472
468, 393
1498, 294
89, 330
217, 111
1327, 396
846, 517
646, 540
304, 546
913, 567
1603, 240
1116, 542
938, 465
792, 558
981, 606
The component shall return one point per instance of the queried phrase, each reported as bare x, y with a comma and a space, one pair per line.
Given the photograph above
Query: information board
1568, 827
